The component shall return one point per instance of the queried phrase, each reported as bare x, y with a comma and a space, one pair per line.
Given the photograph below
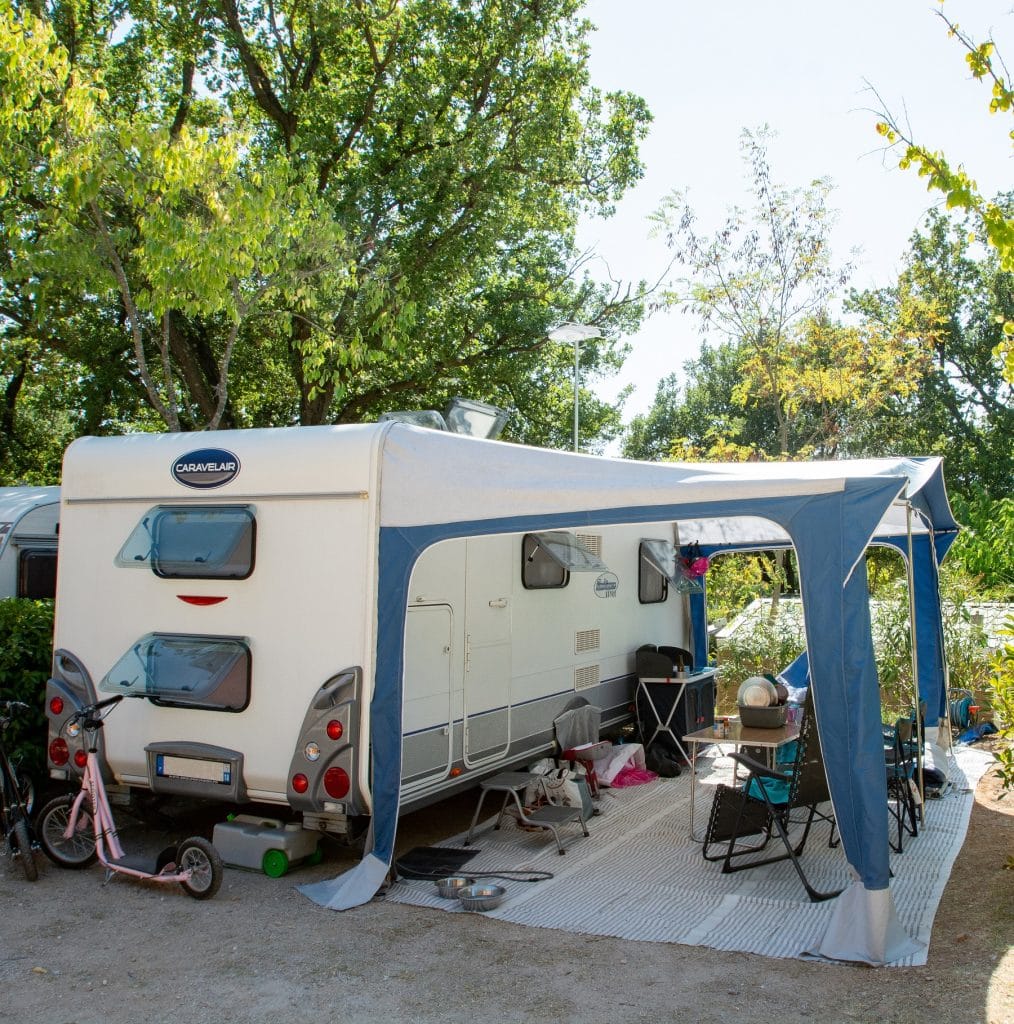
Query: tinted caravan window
215, 542
183, 671
37, 573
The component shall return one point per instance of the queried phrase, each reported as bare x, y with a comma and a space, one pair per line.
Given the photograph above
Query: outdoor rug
641, 876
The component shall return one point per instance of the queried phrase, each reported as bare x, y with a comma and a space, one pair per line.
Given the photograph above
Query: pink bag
633, 776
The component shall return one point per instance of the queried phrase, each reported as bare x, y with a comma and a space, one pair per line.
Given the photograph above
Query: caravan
237, 588
29, 523
355, 620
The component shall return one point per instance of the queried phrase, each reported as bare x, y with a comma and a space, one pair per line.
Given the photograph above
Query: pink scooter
76, 829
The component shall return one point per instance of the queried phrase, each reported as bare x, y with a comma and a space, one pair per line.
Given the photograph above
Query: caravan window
655, 561
181, 671
215, 542
548, 559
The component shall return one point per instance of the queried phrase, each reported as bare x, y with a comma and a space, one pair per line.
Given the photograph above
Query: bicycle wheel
201, 859
79, 850
22, 844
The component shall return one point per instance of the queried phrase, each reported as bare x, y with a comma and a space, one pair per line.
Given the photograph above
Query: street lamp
576, 333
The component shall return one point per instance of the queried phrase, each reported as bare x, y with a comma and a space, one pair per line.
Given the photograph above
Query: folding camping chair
904, 801
763, 806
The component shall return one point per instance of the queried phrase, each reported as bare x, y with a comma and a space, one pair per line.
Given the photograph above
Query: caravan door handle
498, 602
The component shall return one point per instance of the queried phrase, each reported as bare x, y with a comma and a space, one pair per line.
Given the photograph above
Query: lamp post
576, 333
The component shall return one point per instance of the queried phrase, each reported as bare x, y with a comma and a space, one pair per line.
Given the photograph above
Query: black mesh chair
767, 805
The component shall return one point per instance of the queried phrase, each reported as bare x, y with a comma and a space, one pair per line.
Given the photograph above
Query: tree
953, 294
961, 191
318, 212
695, 412
765, 280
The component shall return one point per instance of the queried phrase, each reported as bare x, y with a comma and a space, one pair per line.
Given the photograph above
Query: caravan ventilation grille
586, 640
592, 541
586, 676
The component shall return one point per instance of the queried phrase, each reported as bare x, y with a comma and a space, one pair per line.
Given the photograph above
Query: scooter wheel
79, 850
201, 859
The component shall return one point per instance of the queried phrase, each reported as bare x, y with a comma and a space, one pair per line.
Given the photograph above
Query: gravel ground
76, 951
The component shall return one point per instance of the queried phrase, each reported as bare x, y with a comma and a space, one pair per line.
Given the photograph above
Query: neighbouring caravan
233, 580
29, 523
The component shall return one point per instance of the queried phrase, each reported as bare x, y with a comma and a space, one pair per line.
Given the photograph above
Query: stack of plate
757, 692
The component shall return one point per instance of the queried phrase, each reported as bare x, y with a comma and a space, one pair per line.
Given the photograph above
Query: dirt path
75, 950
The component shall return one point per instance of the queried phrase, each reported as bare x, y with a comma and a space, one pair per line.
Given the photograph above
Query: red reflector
59, 752
334, 729
80, 758
300, 783
336, 783
200, 599
56, 706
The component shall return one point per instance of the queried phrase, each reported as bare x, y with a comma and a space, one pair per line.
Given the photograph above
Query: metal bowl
450, 887
481, 897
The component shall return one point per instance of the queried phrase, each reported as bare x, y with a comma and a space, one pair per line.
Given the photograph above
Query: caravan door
489, 575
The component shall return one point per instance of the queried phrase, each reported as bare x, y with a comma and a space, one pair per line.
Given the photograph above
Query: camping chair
763, 807
653, 662
900, 758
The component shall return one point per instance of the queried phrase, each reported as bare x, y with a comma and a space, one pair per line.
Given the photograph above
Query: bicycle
16, 804
75, 830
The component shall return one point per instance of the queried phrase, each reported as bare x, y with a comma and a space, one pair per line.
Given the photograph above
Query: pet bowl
450, 887
481, 897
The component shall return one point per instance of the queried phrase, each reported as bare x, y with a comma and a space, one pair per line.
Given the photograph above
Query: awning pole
913, 637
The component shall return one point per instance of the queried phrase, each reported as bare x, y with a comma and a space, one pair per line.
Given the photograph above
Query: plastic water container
265, 844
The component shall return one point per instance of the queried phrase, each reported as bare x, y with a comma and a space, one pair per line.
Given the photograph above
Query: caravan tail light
334, 729
300, 783
336, 783
59, 752
56, 706
80, 758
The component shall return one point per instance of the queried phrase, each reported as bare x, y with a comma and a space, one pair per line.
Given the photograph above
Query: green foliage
800, 380
26, 645
734, 580
1001, 698
985, 548
950, 300
959, 188
764, 650
777, 638
236, 215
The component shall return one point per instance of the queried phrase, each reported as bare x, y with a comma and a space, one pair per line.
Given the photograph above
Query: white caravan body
287, 629
29, 522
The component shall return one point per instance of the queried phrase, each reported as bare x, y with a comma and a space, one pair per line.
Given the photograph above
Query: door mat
431, 862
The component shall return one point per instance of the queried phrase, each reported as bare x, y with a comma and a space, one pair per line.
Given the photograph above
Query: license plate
199, 770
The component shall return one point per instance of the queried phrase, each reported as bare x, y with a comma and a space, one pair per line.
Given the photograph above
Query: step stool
549, 816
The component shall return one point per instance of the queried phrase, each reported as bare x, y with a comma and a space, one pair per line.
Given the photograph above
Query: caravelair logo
207, 467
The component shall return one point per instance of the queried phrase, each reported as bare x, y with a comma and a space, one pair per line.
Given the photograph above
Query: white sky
800, 66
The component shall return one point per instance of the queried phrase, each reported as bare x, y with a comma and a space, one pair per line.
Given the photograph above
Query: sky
805, 68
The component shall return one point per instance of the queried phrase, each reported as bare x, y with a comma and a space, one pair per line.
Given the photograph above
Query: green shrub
764, 650
774, 641
26, 644
1001, 698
